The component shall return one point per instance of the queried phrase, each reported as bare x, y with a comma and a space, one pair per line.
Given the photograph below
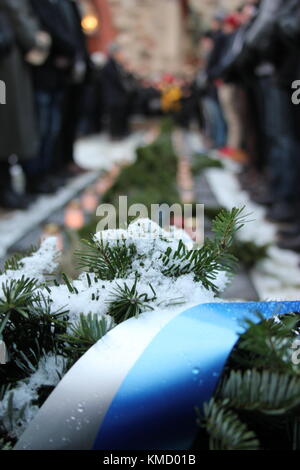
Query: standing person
50, 87
18, 131
275, 70
214, 122
74, 97
115, 93
227, 90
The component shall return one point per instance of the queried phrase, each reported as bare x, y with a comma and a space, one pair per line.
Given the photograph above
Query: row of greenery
257, 403
152, 180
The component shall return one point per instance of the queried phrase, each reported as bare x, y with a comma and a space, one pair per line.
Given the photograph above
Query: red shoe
227, 151
235, 154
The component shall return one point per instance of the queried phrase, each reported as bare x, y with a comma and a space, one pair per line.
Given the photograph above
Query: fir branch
267, 392
226, 430
5, 445
17, 296
31, 336
226, 225
203, 162
267, 343
15, 262
106, 262
213, 257
85, 333
126, 302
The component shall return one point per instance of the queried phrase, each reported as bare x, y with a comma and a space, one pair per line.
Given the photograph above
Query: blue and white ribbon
138, 387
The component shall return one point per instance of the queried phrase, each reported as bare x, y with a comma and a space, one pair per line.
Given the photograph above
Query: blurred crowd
56, 91
251, 60
44, 64
239, 94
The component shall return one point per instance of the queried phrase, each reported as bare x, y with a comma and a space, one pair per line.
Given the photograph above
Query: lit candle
89, 201
74, 216
102, 185
53, 230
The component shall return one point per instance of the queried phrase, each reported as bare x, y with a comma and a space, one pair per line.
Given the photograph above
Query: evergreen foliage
152, 178
203, 162
128, 302
257, 402
84, 334
105, 261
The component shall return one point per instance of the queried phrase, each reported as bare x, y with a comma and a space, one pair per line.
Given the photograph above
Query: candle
53, 230
74, 216
89, 201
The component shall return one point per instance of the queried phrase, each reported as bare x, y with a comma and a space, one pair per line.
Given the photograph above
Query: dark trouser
72, 108
91, 116
252, 127
281, 145
49, 110
118, 121
215, 124
5, 178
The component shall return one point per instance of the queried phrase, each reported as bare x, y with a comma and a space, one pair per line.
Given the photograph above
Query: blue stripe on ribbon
154, 409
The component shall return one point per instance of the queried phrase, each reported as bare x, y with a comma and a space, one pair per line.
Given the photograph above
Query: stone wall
208, 7
152, 32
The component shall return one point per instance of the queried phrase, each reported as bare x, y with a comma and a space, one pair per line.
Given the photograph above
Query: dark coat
18, 132
114, 85
262, 34
53, 19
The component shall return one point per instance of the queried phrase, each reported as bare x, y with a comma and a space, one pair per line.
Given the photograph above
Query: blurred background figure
116, 93
50, 88
22, 42
75, 92
250, 61
214, 122
92, 107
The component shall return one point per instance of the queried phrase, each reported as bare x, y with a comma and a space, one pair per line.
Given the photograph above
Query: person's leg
283, 157
227, 97
54, 128
37, 170
210, 120
33, 168
72, 106
118, 122
283, 149
220, 127
5, 179
9, 199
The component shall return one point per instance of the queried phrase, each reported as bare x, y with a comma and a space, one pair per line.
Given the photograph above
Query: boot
263, 198
11, 200
40, 186
290, 232
281, 212
292, 244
